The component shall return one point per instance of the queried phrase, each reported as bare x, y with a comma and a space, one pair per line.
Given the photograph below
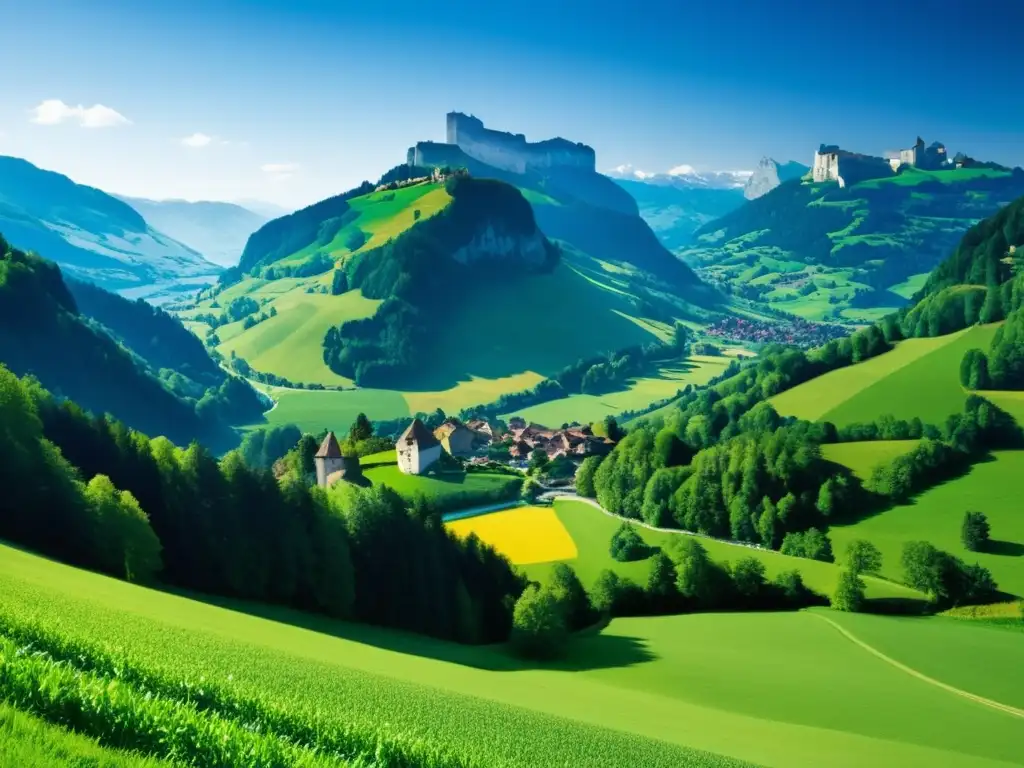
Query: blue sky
301, 99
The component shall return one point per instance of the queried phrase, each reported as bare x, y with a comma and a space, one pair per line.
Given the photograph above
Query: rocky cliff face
496, 242
769, 174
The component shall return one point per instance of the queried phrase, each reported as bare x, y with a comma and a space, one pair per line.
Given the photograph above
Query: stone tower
328, 459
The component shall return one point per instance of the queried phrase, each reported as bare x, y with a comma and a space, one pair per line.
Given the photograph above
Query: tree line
90, 491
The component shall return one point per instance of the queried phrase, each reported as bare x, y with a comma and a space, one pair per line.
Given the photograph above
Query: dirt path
914, 673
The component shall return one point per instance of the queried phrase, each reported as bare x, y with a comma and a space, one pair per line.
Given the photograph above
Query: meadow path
919, 675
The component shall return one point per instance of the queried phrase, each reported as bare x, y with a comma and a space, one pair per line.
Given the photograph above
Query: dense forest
114, 355
90, 491
413, 274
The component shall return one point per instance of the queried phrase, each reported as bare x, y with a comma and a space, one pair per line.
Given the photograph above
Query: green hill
92, 235
362, 289
114, 356
825, 252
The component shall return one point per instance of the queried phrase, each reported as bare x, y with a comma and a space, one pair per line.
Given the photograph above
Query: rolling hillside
114, 356
217, 230
855, 253
310, 273
90, 234
684, 691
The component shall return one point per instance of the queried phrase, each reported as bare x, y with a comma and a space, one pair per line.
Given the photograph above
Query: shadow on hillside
876, 504
1005, 548
588, 650
897, 606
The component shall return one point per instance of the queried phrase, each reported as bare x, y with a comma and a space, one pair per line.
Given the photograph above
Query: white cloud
197, 140
279, 170
626, 170
55, 112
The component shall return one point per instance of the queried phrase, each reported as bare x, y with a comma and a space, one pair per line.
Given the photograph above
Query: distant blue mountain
93, 236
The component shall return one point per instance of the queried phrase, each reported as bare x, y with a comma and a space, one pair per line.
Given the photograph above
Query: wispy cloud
197, 141
279, 170
55, 112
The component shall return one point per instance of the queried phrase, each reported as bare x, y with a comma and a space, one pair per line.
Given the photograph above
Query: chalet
483, 434
456, 438
417, 449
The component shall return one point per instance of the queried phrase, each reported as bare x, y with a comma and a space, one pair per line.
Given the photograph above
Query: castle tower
328, 459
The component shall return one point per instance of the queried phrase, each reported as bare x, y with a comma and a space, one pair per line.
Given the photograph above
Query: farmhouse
417, 449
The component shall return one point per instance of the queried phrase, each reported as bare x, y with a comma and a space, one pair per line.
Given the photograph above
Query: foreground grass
592, 530
30, 742
772, 689
992, 487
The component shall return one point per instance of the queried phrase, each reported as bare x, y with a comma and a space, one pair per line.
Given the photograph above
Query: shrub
974, 533
627, 545
849, 594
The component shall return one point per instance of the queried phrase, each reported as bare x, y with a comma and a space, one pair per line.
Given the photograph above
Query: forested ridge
92, 492
114, 355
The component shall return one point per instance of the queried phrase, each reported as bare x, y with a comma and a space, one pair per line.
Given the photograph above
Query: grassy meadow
773, 689
643, 391
591, 530
920, 377
449, 490
862, 457
992, 487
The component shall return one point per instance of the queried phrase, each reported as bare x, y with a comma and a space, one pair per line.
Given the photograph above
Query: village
476, 442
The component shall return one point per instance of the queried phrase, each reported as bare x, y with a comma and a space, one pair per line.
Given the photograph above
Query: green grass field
313, 411
913, 176
592, 531
449, 491
948, 649
28, 742
992, 487
920, 377
910, 286
774, 689
641, 392
862, 457
291, 344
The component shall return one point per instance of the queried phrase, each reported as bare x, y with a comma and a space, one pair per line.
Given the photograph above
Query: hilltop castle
508, 151
834, 164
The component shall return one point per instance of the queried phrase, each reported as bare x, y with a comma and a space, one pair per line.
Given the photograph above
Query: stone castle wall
512, 152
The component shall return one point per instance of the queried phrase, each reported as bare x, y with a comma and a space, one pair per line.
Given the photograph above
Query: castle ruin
508, 151
834, 164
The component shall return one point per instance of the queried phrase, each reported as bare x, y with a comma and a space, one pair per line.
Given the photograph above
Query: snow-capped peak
683, 176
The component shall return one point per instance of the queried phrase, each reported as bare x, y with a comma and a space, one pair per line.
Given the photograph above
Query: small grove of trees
861, 557
975, 531
947, 580
544, 615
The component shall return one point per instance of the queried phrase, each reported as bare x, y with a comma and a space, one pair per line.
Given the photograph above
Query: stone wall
512, 152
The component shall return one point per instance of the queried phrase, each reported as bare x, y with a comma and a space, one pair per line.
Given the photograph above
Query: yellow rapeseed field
525, 535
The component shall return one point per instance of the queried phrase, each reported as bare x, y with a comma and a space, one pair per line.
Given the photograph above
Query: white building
328, 460
417, 449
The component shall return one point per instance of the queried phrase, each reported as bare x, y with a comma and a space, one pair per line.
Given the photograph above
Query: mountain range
678, 202
216, 230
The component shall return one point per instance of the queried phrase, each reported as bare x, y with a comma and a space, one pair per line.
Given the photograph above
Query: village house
417, 449
456, 438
